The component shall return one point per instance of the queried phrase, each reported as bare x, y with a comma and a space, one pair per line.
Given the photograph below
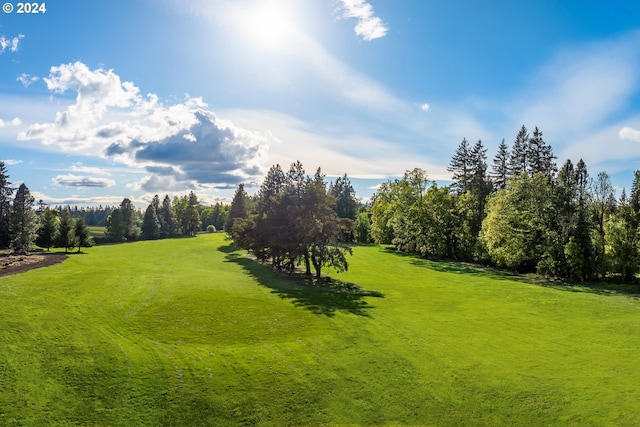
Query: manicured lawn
189, 332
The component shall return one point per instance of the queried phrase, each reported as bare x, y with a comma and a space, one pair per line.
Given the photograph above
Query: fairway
190, 332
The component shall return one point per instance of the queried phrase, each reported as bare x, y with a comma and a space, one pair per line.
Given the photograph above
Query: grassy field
189, 332
96, 231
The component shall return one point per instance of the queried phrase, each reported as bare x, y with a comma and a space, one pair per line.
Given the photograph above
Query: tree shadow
459, 267
316, 299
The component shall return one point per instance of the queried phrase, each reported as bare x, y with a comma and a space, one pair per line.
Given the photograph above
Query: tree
6, 191
269, 227
150, 224
519, 157
129, 219
363, 228
518, 228
326, 249
82, 235
191, 220
238, 207
540, 156
48, 231
602, 205
345, 196
461, 166
167, 219
115, 228
66, 235
391, 203
500, 169
24, 222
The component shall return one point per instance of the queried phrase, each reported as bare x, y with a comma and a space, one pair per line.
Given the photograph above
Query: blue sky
101, 100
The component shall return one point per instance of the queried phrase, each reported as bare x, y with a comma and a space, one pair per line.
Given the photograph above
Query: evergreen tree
500, 168
461, 166
24, 222
540, 156
519, 157
269, 227
48, 231
238, 208
192, 216
345, 195
129, 219
115, 229
325, 246
150, 224
167, 219
66, 236
82, 235
6, 191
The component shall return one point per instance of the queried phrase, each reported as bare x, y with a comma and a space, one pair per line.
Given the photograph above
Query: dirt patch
14, 264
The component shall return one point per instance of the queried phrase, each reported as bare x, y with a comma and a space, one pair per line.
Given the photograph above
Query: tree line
524, 214
181, 216
21, 226
296, 219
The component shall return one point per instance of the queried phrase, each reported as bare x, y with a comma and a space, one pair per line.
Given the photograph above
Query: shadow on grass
303, 292
458, 267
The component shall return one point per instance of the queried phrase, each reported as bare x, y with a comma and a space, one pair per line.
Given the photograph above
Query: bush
211, 229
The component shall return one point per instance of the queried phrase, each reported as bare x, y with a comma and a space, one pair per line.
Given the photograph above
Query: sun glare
268, 24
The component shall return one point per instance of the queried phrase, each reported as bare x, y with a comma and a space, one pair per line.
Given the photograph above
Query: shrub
211, 229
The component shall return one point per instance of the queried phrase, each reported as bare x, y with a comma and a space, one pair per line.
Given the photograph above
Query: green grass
189, 332
96, 231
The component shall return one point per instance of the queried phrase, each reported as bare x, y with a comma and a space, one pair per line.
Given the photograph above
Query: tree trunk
307, 264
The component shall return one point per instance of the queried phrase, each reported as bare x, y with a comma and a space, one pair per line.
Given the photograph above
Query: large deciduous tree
518, 228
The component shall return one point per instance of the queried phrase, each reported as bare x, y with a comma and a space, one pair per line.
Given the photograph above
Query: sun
268, 24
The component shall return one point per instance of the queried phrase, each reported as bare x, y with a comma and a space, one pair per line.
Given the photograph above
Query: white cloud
344, 149
26, 79
629, 134
369, 26
87, 201
10, 162
11, 44
86, 169
110, 118
71, 180
425, 107
13, 122
580, 99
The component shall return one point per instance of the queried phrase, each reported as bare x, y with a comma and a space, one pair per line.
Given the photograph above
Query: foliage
517, 230
238, 207
24, 222
293, 221
48, 231
6, 191
65, 236
151, 223
82, 234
